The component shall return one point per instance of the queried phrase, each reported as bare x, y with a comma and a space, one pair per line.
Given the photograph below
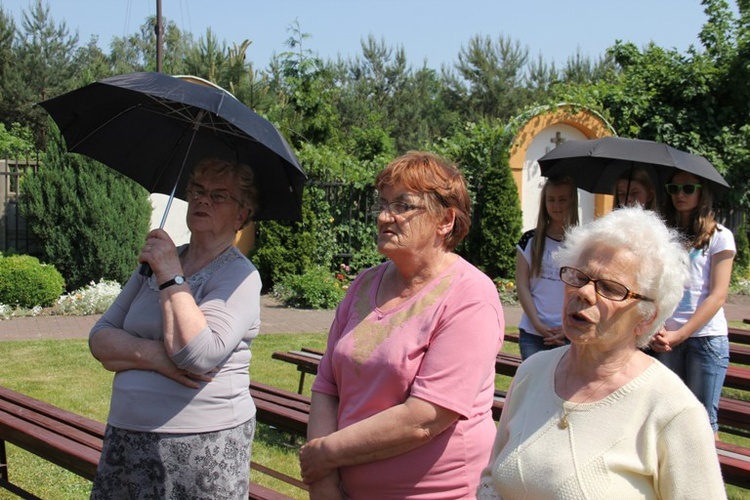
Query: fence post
3, 202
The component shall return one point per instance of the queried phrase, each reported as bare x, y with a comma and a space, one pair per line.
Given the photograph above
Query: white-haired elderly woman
599, 418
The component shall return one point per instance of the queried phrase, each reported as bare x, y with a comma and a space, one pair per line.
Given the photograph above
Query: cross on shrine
557, 140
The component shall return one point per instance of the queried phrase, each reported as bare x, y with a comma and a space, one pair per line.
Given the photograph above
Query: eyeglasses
685, 188
216, 197
608, 289
394, 208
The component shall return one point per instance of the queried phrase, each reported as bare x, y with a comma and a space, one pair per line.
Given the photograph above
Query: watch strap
177, 280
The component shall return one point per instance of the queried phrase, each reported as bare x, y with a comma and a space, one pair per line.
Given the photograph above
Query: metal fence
732, 217
14, 235
349, 204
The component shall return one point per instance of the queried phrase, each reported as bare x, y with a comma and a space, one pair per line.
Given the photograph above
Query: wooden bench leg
301, 385
3, 464
5, 479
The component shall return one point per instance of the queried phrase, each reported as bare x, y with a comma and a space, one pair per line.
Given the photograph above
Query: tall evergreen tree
45, 53
12, 88
91, 221
490, 78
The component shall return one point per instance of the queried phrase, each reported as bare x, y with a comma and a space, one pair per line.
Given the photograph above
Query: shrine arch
539, 132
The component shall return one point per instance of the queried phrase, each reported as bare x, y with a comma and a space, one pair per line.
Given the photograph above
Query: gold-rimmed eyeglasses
217, 197
394, 208
608, 289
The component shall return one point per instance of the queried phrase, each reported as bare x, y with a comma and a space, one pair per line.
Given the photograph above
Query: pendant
563, 423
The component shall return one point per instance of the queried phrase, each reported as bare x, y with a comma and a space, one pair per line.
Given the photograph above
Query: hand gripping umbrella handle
145, 270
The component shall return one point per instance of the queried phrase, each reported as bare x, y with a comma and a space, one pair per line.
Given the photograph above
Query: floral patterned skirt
209, 465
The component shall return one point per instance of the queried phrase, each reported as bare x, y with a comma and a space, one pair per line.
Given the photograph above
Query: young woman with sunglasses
694, 342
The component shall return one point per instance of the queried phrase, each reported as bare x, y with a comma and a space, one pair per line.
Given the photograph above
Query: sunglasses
685, 188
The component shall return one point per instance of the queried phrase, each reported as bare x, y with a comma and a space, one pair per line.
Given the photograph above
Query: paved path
275, 319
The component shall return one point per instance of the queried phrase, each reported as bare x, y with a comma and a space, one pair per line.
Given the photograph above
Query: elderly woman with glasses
181, 419
401, 405
600, 418
694, 341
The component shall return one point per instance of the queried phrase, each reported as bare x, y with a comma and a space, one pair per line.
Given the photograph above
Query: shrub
334, 225
25, 282
288, 248
481, 151
316, 288
94, 298
90, 220
742, 258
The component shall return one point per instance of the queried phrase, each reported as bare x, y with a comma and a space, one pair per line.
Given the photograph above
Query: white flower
95, 298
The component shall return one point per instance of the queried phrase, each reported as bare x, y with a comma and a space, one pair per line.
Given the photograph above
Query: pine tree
77, 208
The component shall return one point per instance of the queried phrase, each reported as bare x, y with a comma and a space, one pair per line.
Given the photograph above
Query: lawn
63, 373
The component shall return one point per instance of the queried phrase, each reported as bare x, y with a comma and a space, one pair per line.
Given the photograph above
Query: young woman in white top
538, 282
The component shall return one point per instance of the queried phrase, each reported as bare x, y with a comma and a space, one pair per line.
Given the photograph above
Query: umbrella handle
145, 270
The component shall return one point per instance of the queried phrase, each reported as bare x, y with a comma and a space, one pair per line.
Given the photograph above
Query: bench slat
66, 453
74, 442
734, 460
78, 421
55, 426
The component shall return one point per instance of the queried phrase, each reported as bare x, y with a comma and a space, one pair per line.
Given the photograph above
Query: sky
431, 31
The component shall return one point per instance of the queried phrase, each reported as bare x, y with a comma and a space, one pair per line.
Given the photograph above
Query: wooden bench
294, 410
735, 464
733, 414
70, 441
284, 410
306, 360
738, 352
739, 335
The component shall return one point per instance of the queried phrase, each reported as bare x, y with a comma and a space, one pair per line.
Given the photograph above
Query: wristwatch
177, 280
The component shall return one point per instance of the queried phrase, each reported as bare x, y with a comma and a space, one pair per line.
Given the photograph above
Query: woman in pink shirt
401, 406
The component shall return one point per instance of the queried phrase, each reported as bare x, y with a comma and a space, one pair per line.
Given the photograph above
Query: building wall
538, 135
532, 181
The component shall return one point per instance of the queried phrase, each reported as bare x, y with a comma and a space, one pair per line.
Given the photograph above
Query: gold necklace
564, 423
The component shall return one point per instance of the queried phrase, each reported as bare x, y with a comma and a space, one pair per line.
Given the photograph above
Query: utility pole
159, 36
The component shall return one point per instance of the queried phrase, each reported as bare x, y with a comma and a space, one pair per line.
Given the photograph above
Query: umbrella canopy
150, 126
596, 164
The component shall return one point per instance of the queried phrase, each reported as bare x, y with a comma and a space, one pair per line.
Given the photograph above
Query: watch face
179, 280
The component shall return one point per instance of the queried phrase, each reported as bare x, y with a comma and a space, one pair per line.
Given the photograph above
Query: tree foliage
91, 222
481, 151
697, 101
347, 118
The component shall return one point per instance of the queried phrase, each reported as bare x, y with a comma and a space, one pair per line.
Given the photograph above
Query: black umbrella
596, 164
149, 126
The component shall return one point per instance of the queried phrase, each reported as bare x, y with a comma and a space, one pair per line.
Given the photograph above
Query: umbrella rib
182, 113
97, 129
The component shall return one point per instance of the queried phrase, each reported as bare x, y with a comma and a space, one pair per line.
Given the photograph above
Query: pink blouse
438, 346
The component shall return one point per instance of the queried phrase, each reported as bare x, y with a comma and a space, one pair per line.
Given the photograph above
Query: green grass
62, 372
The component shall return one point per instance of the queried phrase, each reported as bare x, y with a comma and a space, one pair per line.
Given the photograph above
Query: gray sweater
227, 291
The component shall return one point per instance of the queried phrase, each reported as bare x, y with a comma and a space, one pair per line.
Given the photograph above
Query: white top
699, 286
546, 288
649, 439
